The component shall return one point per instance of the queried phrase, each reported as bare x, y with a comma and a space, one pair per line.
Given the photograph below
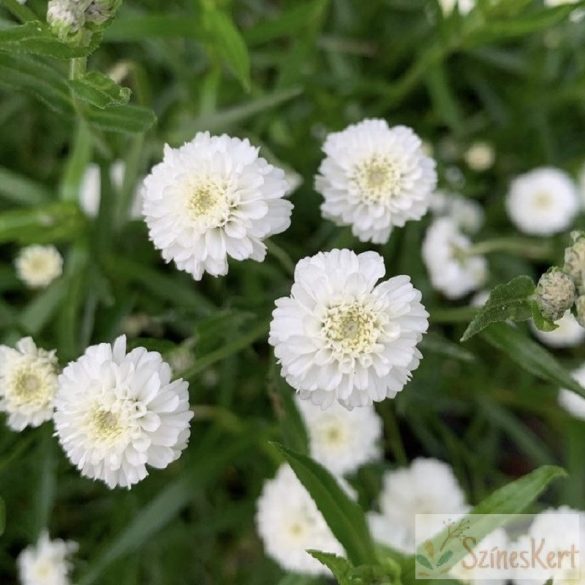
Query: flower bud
65, 18
555, 293
580, 309
575, 260
100, 11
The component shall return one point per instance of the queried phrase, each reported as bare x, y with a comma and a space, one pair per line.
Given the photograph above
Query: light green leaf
127, 119
228, 42
339, 566
22, 190
35, 37
343, 516
530, 356
99, 90
47, 223
510, 301
40, 310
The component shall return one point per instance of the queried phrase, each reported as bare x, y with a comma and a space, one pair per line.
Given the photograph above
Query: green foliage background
283, 73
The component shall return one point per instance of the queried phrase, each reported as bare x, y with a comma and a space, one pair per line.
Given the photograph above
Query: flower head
340, 336
289, 523
567, 334
38, 266
480, 156
211, 199
466, 213
342, 440
375, 177
428, 486
555, 293
28, 383
543, 201
453, 268
46, 563
117, 412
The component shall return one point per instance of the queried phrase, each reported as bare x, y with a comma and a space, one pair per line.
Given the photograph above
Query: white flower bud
66, 18
580, 308
480, 156
575, 260
100, 11
555, 293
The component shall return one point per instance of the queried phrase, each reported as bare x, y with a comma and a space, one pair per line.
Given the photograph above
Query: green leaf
343, 516
339, 566
491, 513
126, 119
138, 28
530, 356
47, 223
99, 90
506, 301
40, 310
228, 42
22, 190
2, 516
441, 345
35, 37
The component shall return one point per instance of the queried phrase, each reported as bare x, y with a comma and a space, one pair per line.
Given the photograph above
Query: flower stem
534, 249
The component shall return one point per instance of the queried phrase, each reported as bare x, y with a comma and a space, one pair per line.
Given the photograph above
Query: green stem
77, 68
528, 248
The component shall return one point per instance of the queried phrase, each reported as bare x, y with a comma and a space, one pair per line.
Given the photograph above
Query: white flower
38, 266
118, 412
543, 201
212, 198
342, 440
91, 189
428, 486
571, 401
28, 383
567, 334
339, 336
480, 156
289, 523
465, 213
465, 6
496, 541
453, 270
375, 177
46, 563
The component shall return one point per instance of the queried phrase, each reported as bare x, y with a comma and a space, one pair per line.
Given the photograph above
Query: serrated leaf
510, 301
99, 90
530, 356
343, 516
34, 37
228, 42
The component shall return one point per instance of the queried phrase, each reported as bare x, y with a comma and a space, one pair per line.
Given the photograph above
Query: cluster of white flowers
117, 412
374, 178
289, 524
28, 384
453, 268
38, 266
342, 440
211, 199
543, 201
340, 336
46, 563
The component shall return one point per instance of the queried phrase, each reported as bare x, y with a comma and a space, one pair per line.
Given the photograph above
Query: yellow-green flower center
377, 179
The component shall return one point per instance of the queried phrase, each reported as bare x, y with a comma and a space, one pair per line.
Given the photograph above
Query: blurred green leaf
510, 301
136, 28
2, 516
343, 516
226, 39
530, 356
22, 190
43, 306
126, 119
99, 90
339, 566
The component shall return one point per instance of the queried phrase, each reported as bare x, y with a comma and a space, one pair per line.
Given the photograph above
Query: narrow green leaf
47, 484
99, 90
530, 356
40, 310
510, 301
127, 119
2, 516
228, 42
343, 516
47, 223
439, 344
22, 190
339, 566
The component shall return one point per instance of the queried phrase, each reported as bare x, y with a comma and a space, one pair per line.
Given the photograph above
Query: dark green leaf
125, 119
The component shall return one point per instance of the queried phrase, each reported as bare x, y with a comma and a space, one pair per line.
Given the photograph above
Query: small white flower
38, 266
543, 201
340, 336
465, 213
28, 383
375, 177
571, 401
342, 440
567, 334
480, 156
117, 412
46, 563
465, 6
453, 270
211, 199
428, 486
289, 523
